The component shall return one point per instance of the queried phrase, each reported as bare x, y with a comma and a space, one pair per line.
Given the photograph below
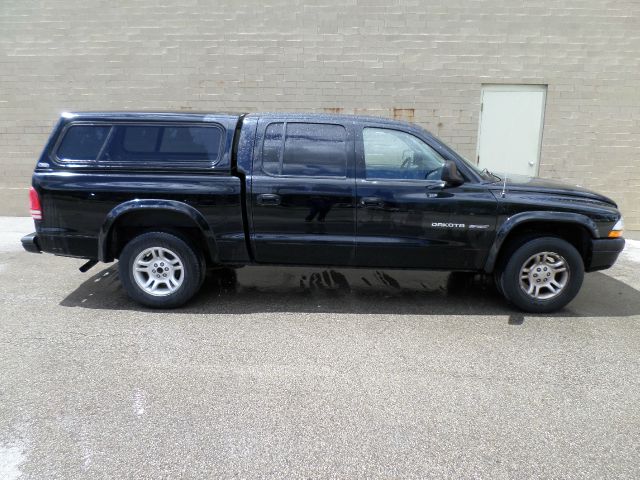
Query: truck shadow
321, 290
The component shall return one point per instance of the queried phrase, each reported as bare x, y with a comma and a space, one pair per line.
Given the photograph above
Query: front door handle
371, 202
268, 199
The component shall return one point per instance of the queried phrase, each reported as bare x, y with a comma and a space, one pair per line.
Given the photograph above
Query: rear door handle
371, 202
268, 199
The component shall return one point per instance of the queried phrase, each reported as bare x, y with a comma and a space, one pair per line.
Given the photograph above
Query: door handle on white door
531, 164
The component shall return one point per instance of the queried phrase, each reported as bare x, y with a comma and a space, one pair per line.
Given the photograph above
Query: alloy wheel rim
158, 271
544, 275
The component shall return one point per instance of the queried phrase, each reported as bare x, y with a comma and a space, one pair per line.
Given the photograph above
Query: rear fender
153, 205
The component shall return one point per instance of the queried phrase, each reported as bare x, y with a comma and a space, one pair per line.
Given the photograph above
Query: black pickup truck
172, 194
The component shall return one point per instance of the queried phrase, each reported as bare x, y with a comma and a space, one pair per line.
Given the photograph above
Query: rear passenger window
83, 142
163, 143
309, 149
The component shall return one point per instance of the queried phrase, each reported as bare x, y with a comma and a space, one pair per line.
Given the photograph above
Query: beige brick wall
426, 60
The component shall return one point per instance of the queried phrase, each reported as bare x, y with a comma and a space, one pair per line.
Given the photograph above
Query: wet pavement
357, 291
312, 372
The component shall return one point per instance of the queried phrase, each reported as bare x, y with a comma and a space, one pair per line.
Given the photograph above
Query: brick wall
424, 61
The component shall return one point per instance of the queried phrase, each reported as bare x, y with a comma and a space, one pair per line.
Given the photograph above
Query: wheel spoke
552, 271
150, 267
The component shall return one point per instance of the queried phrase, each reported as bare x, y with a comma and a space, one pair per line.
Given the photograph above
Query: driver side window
392, 154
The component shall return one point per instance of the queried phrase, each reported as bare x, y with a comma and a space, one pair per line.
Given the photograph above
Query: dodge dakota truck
170, 195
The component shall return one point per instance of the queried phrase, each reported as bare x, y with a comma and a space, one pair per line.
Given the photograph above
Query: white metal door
511, 120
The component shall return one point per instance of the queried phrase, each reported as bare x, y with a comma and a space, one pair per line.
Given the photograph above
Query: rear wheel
541, 275
160, 270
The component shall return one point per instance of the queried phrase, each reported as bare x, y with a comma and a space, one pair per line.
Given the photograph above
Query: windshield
484, 173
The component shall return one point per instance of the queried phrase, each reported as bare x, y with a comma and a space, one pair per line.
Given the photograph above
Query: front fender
155, 205
524, 217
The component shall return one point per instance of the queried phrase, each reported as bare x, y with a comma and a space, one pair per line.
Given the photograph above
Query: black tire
497, 278
521, 253
191, 273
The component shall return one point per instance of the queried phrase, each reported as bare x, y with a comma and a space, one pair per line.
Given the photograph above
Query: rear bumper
604, 253
30, 243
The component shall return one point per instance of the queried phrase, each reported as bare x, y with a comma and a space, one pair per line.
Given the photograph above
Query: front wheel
160, 270
542, 275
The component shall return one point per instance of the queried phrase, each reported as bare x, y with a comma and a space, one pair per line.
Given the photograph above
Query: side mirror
451, 175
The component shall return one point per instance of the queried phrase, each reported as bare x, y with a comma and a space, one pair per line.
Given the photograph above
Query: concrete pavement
314, 373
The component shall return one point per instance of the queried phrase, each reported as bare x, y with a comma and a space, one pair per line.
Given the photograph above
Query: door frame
517, 87
258, 175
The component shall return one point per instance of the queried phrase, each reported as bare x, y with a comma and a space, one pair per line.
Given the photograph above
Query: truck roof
332, 116
211, 116
149, 115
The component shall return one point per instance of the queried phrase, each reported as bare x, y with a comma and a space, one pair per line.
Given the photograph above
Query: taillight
34, 204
